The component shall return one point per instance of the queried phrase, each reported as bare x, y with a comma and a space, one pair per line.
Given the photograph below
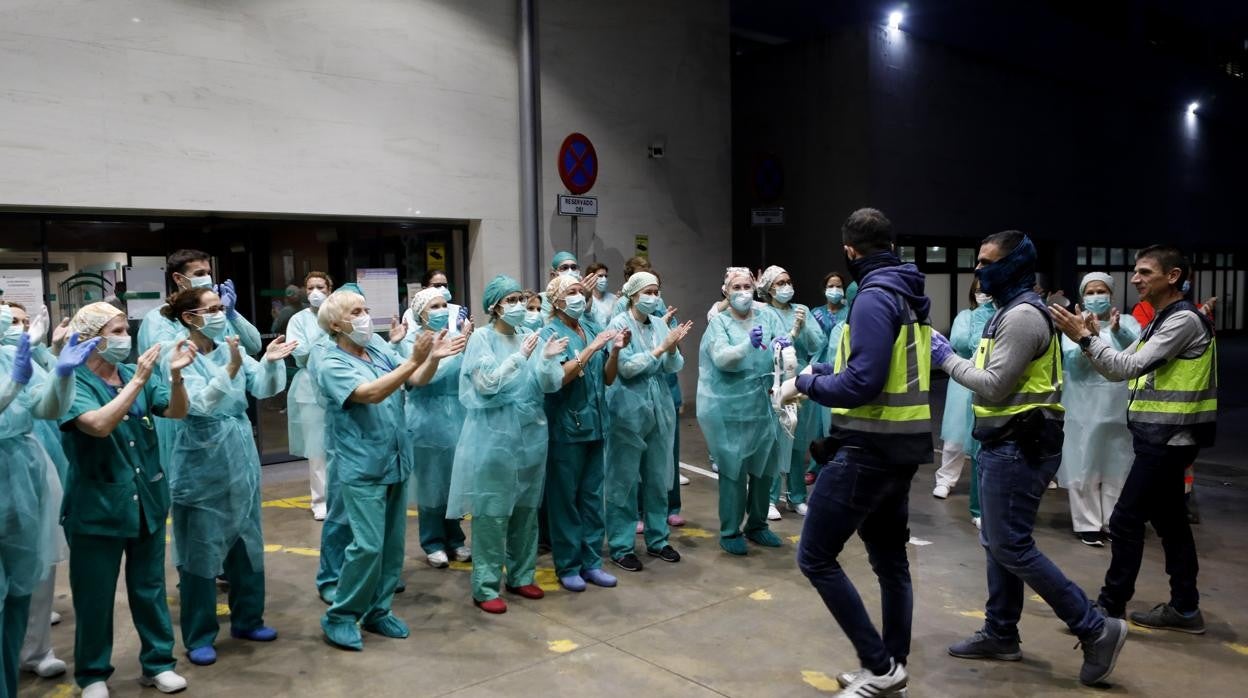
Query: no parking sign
578, 163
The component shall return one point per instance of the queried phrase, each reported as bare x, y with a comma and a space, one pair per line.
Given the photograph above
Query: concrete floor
710, 625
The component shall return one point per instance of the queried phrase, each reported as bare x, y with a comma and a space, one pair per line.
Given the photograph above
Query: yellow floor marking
561, 646
695, 533
820, 681
1132, 627
1037, 598
223, 610
62, 690
794, 539
546, 579
972, 614
272, 548
304, 502
1236, 647
461, 566
309, 552
761, 595
412, 513
171, 600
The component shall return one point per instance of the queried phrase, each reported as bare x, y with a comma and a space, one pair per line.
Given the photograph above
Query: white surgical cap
422, 299
1096, 276
638, 281
558, 287
92, 318
734, 272
770, 274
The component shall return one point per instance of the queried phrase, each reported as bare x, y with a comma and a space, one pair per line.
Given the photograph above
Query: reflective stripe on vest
1180, 392
903, 406
1040, 386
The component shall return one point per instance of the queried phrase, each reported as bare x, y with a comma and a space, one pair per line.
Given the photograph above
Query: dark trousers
857, 492
1153, 494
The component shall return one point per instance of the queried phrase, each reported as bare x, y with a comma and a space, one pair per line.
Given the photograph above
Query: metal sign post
576, 206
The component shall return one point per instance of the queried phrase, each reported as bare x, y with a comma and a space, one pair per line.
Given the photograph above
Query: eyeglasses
209, 310
568, 267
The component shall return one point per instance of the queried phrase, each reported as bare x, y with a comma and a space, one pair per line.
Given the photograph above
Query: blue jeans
1010, 486
858, 492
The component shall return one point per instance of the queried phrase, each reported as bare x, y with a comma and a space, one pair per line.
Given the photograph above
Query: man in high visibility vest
881, 426
1173, 374
1016, 378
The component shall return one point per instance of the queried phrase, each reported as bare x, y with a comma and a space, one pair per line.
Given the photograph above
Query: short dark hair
836, 275
183, 301
429, 274
636, 264
868, 231
1169, 257
177, 261
1006, 240
596, 267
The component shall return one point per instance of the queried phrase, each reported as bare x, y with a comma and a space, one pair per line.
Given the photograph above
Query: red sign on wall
578, 164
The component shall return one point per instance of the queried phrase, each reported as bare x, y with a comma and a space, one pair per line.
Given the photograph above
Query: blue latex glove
229, 297
782, 342
940, 349
23, 368
74, 354
756, 337
463, 316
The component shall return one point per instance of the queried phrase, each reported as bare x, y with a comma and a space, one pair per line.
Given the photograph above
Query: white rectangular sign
23, 286
767, 216
577, 205
381, 289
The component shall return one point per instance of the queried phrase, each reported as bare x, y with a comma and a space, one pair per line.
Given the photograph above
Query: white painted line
701, 471
919, 542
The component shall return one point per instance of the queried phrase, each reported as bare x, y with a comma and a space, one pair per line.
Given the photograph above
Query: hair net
92, 318
351, 287
638, 281
1096, 276
735, 271
560, 258
770, 274
422, 299
499, 288
558, 287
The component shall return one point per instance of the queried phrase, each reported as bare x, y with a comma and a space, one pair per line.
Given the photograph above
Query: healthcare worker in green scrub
500, 462
214, 477
370, 461
305, 411
776, 288
643, 426
117, 497
37, 655
576, 418
735, 412
434, 420
28, 532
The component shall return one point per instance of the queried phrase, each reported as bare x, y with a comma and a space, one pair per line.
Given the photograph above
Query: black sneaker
1100, 655
1164, 617
666, 554
628, 562
1091, 538
980, 646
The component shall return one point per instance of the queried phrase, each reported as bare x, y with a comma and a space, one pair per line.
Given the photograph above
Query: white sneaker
941, 492
463, 554
165, 682
1052, 484
437, 559
714, 467
773, 514
54, 619
99, 689
684, 479
845, 678
977, 522
801, 509
47, 667
318, 512
868, 685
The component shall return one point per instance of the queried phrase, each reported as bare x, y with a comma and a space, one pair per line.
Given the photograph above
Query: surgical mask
983, 298
513, 314
12, 335
438, 319
573, 273
204, 281
361, 330
784, 294
741, 301
115, 349
835, 295
575, 306
648, 304
446, 294
533, 319
601, 285
1096, 304
214, 326
316, 297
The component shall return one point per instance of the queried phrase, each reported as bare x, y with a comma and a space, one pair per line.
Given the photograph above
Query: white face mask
12, 335
200, 281
361, 330
316, 297
983, 298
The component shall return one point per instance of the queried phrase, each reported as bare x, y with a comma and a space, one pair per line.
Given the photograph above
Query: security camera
656, 149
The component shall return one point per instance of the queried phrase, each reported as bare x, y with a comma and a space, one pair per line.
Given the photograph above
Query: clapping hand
74, 355
398, 330
183, 354
229, 296
279, 349
528, 345
23, 368
756, 337
555, 347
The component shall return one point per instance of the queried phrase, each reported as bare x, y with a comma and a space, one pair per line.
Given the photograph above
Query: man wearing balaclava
1016, 378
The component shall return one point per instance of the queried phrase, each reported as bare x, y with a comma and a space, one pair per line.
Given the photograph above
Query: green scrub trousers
335, 534
199, 600
94, 564
503, 541
438, 532
14, 613
373, 561
574, 506
650, 488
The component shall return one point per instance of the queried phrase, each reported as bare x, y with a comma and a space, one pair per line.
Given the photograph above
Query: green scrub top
112, 479
367, 439
575, 412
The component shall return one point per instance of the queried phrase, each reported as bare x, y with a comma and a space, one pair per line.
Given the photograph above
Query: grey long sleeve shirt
1022, 335
1181, 335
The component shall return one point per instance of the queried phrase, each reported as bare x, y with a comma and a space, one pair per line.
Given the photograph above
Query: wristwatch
1085, 342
